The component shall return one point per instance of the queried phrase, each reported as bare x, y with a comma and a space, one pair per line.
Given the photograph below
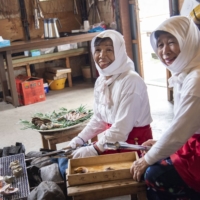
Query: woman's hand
76, 141
84, 152
149, 142
138, 168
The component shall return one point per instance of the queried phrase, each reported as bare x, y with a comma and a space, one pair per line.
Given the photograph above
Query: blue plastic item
96, 29
46, 88
4, 43
35, 53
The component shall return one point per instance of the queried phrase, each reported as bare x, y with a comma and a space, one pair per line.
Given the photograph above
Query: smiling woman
121, 105
167, 47
170, 166
104, 52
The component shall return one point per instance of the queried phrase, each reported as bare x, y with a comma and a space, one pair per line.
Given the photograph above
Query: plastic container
35, 52
57, 84
46, 88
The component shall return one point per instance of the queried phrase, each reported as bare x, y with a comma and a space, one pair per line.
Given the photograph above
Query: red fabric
187, 162
142, 134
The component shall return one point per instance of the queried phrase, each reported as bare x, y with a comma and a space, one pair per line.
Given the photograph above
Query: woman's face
104, 53
168, 48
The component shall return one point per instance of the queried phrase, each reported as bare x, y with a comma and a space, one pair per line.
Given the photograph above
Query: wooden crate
120, 162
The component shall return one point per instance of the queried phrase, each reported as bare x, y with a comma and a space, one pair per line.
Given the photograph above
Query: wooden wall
107, 13
11, 26
62, 9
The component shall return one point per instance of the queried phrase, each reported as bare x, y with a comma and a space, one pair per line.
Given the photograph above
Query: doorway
151, 14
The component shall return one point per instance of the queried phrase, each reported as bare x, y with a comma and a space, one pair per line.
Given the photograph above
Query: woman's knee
155, 173
150, 174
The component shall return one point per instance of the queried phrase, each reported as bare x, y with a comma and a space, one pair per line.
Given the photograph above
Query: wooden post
28, 71
69, 75
137, 40
3, 80
125, 25
11, 77
44, 142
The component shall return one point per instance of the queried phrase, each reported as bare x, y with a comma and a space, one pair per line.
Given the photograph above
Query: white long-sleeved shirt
186, 120
130, 108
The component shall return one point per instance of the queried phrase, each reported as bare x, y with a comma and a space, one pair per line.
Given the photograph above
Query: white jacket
186, 82
130, 108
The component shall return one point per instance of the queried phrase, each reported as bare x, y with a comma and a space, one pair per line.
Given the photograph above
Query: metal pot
50, 28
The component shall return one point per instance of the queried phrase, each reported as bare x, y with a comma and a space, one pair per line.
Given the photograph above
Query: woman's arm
185, 123
96, 125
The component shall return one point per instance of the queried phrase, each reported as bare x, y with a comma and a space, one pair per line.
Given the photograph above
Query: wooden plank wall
107, 13
62, 9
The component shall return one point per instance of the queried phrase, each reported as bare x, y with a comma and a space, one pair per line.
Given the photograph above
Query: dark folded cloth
5, 151
12, 150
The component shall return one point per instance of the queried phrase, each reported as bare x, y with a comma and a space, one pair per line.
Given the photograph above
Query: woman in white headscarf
121, 105
173, 161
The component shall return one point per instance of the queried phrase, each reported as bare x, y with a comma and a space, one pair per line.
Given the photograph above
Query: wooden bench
50, 139
108, 189
27, 61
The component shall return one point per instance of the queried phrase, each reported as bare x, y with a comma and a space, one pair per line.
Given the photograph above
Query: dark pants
164, 183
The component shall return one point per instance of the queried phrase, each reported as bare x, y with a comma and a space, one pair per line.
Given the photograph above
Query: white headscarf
121, 64
188, 36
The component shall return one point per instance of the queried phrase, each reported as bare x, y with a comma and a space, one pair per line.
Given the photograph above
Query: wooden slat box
120, 162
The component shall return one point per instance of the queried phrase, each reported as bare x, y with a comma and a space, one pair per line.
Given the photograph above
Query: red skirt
138, 135
187, 162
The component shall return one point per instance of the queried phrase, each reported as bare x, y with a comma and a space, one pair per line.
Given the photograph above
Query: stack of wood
55, 73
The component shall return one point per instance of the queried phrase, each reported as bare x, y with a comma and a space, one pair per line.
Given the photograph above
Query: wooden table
28, 45
50, 139
108, 189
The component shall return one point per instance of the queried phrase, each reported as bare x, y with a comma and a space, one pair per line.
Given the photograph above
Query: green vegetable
59, 117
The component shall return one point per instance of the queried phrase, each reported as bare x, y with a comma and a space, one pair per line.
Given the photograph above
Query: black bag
12, 150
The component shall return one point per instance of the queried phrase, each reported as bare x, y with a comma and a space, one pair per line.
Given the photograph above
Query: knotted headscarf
121, 64
188, 36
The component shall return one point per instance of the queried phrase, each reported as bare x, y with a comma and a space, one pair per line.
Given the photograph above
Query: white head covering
188, 36
121, 64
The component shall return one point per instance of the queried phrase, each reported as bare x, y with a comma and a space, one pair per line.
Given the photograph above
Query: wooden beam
125, 25
14, 100
138, 39
3, 80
